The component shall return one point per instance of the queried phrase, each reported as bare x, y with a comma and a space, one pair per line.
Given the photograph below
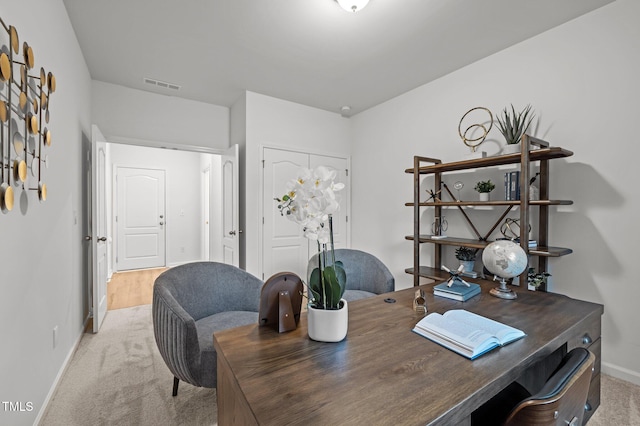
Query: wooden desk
383, 373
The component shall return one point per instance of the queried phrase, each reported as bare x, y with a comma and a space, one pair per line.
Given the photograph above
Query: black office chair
561, 401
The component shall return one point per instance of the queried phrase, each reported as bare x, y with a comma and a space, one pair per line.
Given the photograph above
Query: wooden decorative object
24, 104
281, 301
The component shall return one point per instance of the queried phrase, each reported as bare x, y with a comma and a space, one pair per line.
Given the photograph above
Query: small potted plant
513, 125
484, 187
535, 280
467, 257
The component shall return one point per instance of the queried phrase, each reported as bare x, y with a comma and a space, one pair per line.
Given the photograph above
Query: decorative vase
484, 196
511, 148
328, 325
468, 265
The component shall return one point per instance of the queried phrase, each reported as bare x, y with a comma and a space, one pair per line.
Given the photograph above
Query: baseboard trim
621, 373
61, 372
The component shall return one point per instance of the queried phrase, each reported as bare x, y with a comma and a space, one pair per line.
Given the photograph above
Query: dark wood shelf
533, 151
429, 272
499, 160
467, 242
492, 203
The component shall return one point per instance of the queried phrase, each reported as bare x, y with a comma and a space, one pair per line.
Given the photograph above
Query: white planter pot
484, 196
511, 148
468, 265
328, 325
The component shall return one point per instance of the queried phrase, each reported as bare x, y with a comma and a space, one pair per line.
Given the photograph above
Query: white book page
503, 332
462, 332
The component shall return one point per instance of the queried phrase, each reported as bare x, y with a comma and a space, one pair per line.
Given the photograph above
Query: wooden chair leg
175, 385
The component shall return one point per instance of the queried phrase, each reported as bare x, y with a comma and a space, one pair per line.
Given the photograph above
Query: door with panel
141, 218
284, 247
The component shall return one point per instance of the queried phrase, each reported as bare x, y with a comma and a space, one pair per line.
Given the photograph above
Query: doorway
184, 200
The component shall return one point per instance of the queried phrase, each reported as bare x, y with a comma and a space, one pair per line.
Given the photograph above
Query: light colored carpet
117, 377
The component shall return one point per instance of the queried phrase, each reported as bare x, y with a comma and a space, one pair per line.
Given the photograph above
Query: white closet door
284, 247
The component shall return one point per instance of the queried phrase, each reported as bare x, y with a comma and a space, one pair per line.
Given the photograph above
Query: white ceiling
306, 51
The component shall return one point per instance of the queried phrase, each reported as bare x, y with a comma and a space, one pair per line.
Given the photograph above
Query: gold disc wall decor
42, 191
23, 144
27, 51
13, 35
3, 111
47, 136
52, 82
5, 67
20, 170
6, 197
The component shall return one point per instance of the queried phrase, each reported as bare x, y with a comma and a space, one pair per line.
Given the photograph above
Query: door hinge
263, 164
263, 220
116, 219
346, 218
346, 171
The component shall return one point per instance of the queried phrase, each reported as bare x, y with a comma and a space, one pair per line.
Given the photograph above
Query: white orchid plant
310, 201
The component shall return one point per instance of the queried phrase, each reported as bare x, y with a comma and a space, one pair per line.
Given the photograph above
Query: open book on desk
466, 333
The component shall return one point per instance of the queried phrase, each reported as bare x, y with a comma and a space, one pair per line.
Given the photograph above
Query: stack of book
512, 186
457, 291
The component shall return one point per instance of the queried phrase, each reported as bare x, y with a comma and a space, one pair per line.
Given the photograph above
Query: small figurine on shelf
484, 187
433, 195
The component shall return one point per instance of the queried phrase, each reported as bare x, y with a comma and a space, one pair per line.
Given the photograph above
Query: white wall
135, 114
183, 196
41, 278
582, 80
278, 123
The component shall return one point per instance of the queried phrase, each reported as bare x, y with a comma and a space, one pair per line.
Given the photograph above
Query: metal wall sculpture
24, 116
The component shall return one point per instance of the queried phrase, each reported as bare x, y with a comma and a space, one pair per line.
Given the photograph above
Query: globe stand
503, 292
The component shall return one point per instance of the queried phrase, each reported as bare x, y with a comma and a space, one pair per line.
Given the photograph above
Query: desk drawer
593, 399
588, 334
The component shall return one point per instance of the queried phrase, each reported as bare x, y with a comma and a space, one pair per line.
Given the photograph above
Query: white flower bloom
312, 200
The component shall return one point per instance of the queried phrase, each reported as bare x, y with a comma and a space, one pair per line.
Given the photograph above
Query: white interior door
230, 207
141, 218
284, 246
206, 196
98, 235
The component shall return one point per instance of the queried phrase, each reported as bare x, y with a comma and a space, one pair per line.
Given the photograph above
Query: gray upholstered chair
190, 303
366, 274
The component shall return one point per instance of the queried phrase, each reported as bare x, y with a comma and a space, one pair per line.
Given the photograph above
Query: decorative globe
505, 259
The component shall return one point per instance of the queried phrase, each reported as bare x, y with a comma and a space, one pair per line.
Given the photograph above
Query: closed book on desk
457, 291
466, 333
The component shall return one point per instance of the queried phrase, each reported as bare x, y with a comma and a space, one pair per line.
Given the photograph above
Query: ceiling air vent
160, 83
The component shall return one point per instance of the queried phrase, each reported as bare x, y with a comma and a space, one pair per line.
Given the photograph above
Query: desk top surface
383, 372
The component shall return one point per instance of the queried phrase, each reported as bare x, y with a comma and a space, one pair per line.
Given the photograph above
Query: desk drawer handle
587, 407
586, 339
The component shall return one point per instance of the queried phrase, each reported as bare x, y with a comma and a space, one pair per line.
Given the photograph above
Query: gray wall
41, 244
582, 79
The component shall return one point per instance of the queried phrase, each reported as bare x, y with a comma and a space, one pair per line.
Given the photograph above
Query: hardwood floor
131, 288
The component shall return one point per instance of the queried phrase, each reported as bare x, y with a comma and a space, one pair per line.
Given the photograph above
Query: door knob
88, 238
161, 223
232, 232
103, 239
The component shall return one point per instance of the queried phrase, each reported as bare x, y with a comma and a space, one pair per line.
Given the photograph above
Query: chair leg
175, 385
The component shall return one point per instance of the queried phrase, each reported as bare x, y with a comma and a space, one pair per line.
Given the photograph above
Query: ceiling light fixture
352, 5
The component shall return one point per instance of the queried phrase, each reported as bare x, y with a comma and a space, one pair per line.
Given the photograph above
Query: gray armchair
190, 303
366, 274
